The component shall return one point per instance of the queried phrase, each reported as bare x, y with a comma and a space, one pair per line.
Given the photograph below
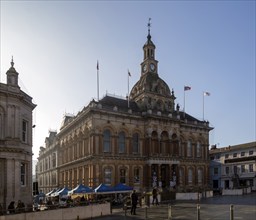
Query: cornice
14, 150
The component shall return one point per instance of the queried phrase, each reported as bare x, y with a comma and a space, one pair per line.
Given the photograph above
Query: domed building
143, 141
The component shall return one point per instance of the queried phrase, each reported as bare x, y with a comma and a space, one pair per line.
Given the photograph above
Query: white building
233, 166
15, 141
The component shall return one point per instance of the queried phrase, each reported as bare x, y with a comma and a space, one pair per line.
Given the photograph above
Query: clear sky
207, 45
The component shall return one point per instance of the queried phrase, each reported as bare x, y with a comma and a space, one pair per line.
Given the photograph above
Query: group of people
18, 209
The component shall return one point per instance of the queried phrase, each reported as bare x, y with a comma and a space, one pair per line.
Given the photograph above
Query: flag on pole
97, 65
206, 94
129, 74
187, 88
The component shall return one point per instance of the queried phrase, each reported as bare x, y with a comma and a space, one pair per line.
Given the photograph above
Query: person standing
11, 207
134, 198
155, 199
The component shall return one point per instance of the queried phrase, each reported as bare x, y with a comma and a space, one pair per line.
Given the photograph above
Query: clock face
144, 68
152, 67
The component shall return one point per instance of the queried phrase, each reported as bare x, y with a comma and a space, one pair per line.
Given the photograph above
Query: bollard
198, 212
146, 212
169, 212
231, 212
77, 218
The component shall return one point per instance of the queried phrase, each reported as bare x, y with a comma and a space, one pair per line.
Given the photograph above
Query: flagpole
184, 102
128, 94
98, 80
203, 106
205, 94
185, 89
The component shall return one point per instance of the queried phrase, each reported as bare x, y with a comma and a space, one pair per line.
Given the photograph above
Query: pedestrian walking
155, 199
134, 198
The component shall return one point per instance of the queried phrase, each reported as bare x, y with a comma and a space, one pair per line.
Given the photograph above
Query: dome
150, 83
151, 92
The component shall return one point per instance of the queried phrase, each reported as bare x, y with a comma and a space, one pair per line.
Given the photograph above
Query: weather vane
149, 25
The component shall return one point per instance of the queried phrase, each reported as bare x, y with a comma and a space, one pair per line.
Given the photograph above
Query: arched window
107, 176
135, 143
181, 174
163, 143
190, 176
189, 149
121, 142
106, 141
199, 176
198, 149
122, 175
136, 174
155, 143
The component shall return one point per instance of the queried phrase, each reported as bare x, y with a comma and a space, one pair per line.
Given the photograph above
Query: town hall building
143, 141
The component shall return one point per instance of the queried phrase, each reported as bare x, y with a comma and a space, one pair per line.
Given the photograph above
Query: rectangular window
242, 154
243, 168
227, 170
215, 171
234, 154
23, 174
250, 168
251, 152
235, 169
226, 156
24, 131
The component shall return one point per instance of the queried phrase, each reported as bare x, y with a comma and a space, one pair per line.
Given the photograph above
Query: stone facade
15, 141
47, 165
143, 141
233, 167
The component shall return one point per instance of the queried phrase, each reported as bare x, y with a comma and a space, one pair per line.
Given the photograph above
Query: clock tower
149, 64
151, 92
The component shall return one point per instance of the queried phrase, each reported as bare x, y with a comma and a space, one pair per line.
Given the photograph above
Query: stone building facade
48, 163
15, 141
143, 140
233, 167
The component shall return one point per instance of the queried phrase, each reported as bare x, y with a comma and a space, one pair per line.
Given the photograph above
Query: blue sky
208, 45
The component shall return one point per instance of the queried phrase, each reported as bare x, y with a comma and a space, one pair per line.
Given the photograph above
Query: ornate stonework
15, 141
143, 143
